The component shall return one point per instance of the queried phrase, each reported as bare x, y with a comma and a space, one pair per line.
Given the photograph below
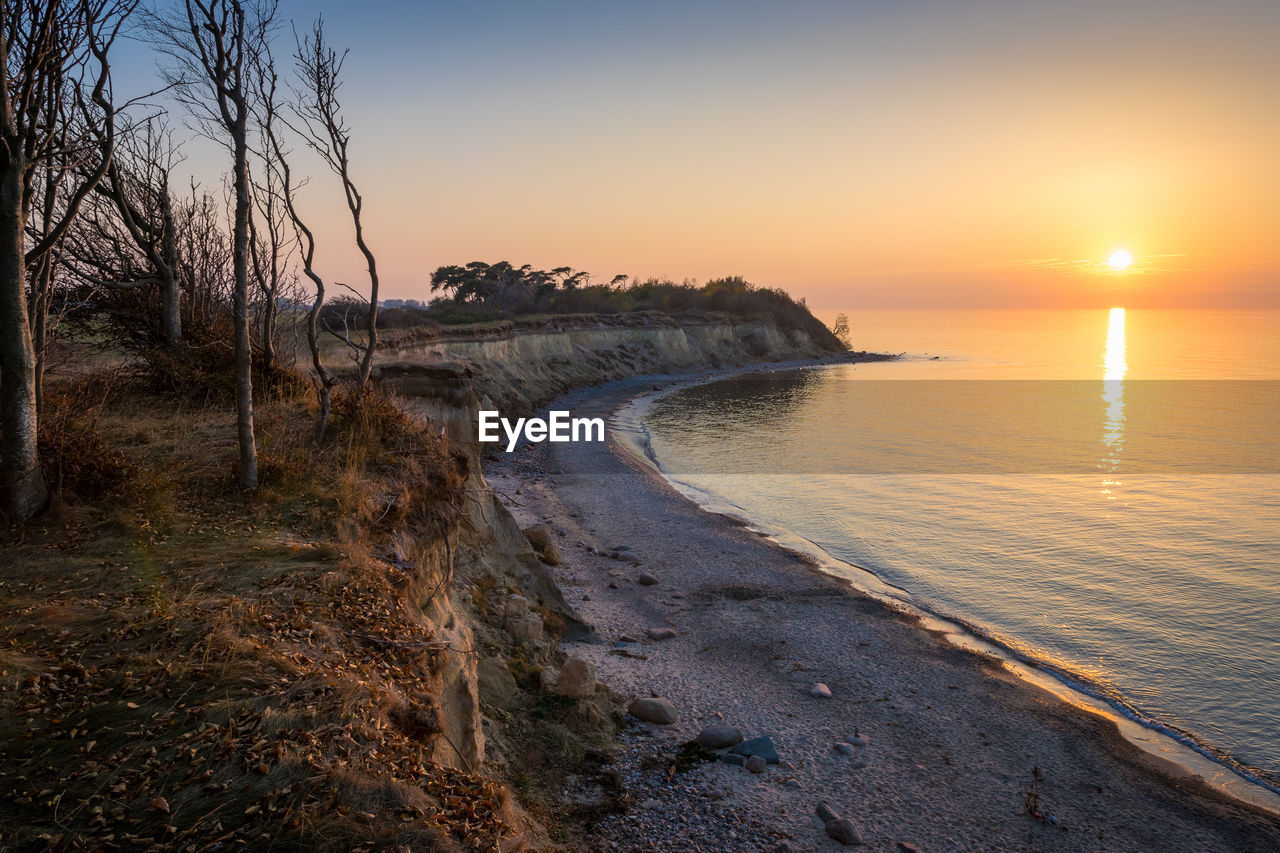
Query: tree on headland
841, 328
56, 125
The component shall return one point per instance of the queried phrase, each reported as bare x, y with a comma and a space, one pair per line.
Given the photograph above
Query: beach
946, 749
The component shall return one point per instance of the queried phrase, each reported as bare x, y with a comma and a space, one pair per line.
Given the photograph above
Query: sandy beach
921, 745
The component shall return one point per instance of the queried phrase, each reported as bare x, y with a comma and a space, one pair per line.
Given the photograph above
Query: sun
1120, 259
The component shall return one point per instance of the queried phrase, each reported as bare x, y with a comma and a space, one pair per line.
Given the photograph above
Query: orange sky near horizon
914, 154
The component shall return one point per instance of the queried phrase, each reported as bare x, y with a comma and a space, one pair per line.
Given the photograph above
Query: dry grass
184, 666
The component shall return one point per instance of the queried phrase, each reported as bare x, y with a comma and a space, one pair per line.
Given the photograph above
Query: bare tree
55, 105
212, 44
325, 130
276, 160
204, 255
127, 235
269, 247
138, 186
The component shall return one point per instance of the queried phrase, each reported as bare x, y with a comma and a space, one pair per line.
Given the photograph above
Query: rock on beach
761, 746
654, 710
719, 736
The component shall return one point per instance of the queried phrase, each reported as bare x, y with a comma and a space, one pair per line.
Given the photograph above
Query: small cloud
1142, 265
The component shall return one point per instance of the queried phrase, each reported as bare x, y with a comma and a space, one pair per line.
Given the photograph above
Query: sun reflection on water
1114, 368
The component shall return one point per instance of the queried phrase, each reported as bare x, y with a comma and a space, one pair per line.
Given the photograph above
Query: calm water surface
1097, 490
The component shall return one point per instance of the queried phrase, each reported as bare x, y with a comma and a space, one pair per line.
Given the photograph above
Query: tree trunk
41, 291
170, 292
244, 361
170, 310
22, 488
268, 332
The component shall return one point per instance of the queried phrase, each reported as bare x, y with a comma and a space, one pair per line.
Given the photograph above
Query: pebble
719, 736
661, 633
842, 748
651, 805
733, 759
646, 579
755, 764
654, 710
784, 847
820, 691
761, 746
825, 813
860, 740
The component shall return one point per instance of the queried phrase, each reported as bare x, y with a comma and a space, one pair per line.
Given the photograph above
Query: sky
960, 153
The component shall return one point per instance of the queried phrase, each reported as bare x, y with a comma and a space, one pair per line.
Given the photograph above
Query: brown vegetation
186, 663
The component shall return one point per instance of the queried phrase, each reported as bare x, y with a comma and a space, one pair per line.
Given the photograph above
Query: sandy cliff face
504, 615
519, 370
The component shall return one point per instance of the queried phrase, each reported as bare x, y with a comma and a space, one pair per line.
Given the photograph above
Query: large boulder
576, 679
520, 622
497, 684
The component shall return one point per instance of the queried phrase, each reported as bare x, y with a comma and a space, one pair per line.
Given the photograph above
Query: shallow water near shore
1098, 492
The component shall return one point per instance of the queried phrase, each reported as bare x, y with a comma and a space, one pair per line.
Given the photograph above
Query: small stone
842, 748
653, 710
661, 633
761, 746
784, 847
843, 830
651, 805
860, 740
627, 638
755, 764
820, 691
613, 584
733, 759
646, 579
719, 736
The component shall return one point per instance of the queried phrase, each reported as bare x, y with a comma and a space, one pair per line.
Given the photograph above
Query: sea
1092, 494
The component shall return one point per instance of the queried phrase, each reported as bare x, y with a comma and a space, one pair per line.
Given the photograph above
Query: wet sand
953, 738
